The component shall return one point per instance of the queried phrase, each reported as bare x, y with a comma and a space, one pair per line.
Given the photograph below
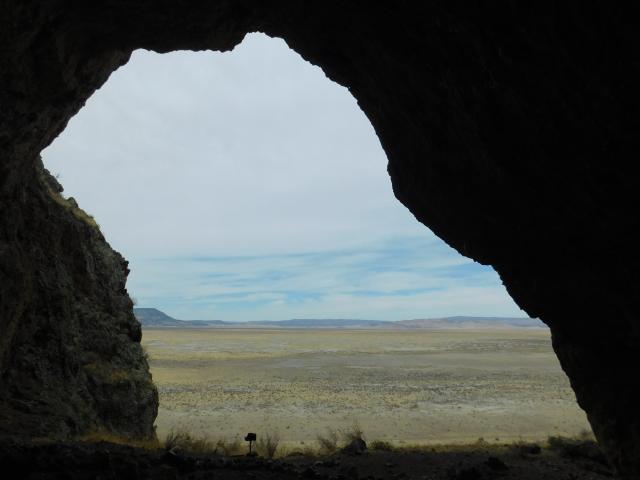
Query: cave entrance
248, 187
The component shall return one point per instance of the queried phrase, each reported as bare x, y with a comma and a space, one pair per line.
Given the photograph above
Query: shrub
102, 435
305, 452
268, 444
331, 442
582, 446
185, 441
328, 443
381, 445
523, 448
353, 433
226, 447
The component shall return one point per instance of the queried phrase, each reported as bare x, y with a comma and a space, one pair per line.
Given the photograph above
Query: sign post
251, 437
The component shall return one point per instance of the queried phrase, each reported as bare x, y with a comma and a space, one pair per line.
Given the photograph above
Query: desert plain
404, 386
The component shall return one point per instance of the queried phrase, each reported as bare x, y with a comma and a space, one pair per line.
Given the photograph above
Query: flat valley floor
402, 386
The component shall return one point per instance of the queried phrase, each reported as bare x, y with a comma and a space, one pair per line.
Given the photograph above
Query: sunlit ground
401, 386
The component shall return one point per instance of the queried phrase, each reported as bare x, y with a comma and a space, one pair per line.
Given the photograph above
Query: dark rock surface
510, 130
71, 355
112, 461
357, 446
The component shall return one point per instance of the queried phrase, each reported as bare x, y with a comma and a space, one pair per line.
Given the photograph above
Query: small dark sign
251, 437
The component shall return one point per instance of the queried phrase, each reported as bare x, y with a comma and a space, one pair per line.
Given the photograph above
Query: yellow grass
70, 205
97, 436
403, 387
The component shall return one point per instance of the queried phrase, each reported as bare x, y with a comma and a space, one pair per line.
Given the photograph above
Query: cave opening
253, 158
506, 129
268, 200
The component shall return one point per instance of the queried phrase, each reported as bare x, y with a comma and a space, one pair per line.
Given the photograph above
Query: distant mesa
324, 323
152, 317
472, 322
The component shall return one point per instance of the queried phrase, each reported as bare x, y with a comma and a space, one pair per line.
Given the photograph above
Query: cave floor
113, 461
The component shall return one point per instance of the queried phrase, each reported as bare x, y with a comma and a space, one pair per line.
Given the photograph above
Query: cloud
406, 278
246, 185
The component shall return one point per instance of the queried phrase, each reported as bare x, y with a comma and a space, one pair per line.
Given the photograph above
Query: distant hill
324, 323
471, 322
152, 317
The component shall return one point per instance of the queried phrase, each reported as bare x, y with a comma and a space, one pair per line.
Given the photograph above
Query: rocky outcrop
71, 359
508, 130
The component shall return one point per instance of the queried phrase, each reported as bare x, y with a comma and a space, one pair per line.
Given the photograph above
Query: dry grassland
402, 386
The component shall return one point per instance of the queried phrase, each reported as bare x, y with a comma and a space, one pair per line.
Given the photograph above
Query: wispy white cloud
246, 185
406, 278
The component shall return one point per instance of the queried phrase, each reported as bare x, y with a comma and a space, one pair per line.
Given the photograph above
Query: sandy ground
403, 386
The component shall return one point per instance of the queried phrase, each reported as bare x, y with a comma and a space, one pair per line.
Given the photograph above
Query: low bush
353, 433
381, 446
267, 444
329, 442
183, 440
581, 446
524, 449
97, 436
229, 447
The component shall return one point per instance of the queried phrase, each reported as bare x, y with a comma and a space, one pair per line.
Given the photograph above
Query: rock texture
509, 131
71, 356
108, 461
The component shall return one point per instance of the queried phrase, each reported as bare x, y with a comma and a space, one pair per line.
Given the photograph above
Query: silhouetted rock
466, 473
528, 448
309, 472
494, 463
71, 360
357, 446
508, 127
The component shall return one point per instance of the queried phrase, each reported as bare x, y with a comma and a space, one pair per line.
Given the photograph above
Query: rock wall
71, 360
509, 130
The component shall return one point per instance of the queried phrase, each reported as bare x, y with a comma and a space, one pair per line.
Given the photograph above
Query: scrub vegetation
401, 387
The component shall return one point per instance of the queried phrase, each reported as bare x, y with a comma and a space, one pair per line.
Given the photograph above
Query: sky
246, 185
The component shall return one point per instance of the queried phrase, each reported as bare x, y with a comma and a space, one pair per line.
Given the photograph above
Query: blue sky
247, 186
